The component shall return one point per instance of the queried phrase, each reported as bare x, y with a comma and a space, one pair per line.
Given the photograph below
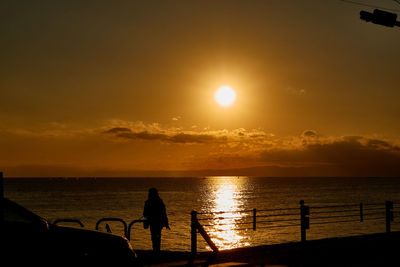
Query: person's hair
153, 193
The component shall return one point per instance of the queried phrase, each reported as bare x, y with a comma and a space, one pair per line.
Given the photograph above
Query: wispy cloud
155, 132
168, 137
118, 130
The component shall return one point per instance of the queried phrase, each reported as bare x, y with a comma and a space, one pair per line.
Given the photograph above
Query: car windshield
14, 213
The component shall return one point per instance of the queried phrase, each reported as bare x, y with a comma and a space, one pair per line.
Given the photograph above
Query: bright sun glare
225, 96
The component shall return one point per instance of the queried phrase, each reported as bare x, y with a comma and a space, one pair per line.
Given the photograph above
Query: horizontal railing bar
276, 215
335, 222
244, 223
374, 213
334, 211
292, 214
224, 218
373, 204
222, 224
311, 207
381, 208
378, 218
284, 220
278, 226
222, 212
277, 209
261, 227
221, 230
258, 216
272, 221
217, 230
332, 217
334, 206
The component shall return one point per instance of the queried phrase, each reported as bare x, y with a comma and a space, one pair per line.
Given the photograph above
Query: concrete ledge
366, 250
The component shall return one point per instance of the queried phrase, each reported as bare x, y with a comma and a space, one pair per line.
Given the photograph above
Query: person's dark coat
155, 212
156, 216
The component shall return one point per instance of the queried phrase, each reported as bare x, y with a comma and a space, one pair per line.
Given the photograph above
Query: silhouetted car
28, 238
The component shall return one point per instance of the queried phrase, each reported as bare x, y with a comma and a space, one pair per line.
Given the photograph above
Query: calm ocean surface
90, 199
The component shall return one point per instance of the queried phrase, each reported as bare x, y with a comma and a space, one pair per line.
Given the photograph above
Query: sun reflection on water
226, 201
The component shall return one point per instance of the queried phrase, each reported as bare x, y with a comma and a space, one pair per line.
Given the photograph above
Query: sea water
90, 199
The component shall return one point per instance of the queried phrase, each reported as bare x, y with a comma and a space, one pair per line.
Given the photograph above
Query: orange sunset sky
127, 88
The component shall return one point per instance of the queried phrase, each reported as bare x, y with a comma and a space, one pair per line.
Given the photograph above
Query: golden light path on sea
225, 230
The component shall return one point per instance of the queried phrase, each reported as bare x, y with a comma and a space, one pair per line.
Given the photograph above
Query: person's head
153, 193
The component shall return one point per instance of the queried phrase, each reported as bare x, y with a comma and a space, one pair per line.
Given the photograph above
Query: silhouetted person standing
156, 216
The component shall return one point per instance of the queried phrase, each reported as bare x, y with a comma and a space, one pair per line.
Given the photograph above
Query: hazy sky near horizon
129, 85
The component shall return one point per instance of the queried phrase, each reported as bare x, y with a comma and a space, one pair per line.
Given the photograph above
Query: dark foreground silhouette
29, 240
156, 217
366, 250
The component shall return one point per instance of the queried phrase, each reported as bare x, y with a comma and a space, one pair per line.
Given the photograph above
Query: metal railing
127, 228
130, 227
302, 216
255, 219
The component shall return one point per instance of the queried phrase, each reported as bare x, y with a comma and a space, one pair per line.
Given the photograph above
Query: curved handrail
113, 220
130, 227
70, 221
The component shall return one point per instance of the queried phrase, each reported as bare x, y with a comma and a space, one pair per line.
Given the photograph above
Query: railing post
361, 213
254, 219
389, 214
193, 225
304, 220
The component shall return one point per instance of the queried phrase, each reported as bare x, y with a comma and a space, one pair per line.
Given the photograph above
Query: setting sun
225, 96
